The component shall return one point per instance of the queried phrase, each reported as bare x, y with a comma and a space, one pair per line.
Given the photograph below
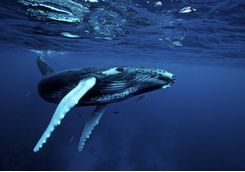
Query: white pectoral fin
92, 121
69, 101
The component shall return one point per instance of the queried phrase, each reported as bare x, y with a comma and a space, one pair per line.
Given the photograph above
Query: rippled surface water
197, 124
213, 29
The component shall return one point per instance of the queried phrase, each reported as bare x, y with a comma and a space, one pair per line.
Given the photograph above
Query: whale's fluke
44, 68
69, 101
92, 121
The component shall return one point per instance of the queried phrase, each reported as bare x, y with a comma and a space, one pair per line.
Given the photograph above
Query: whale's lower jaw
90, 100
108, 98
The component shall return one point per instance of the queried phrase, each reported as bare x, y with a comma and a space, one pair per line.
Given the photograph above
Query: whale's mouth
168, 84
173, 79
167, 77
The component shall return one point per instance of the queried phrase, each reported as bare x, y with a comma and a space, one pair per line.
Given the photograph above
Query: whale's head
150, 76
118, 83
144, 79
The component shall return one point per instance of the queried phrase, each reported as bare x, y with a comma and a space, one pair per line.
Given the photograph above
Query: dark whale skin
122, 83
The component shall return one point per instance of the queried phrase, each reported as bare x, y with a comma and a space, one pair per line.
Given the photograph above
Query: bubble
158, 3
108, 23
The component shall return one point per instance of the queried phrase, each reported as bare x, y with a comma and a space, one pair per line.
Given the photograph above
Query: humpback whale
94, 86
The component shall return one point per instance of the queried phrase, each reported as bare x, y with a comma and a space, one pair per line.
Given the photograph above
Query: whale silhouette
94, 86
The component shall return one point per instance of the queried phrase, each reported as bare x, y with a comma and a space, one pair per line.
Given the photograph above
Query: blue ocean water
196, 124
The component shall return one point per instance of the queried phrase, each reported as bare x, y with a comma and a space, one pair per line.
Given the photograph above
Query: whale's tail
43, 67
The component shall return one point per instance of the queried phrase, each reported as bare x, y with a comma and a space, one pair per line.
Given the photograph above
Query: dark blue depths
196, 124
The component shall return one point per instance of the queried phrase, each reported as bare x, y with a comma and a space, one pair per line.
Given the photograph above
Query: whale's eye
119, 69
153, 76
